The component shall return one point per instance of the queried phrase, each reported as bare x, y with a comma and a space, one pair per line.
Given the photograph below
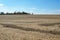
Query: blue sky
31, 6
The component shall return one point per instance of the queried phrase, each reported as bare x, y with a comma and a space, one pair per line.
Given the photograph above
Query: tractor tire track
30, 29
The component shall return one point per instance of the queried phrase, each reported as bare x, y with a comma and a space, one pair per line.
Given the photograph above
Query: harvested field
29, 27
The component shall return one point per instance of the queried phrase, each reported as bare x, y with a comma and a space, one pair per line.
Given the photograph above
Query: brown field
29, 27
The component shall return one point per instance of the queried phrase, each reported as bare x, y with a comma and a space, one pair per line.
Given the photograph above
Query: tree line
15, 13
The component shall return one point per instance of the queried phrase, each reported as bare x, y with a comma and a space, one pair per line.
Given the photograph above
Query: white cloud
33, 8
3, 8
1, 5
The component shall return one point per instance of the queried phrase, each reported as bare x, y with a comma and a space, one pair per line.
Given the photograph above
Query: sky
31, 6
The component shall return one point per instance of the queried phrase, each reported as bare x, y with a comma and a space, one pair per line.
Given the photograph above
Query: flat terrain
29, 27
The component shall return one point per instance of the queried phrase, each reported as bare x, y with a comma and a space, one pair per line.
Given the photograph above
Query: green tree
2, 13
25, 13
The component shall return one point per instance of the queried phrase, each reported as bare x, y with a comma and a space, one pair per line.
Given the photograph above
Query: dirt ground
29, 27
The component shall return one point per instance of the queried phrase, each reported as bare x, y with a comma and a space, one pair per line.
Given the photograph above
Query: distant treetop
15, 13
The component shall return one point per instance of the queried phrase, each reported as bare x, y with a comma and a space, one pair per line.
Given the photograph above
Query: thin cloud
58, 10
1, 5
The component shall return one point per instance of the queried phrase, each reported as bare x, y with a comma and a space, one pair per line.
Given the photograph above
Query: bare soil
29, 27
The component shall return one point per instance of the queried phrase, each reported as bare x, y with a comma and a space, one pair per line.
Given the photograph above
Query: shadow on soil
30, 29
